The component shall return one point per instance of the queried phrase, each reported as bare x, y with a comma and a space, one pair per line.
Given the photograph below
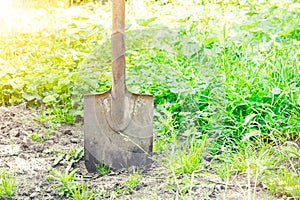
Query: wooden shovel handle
118, 48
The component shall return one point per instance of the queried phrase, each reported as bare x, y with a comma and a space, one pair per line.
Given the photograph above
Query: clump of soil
32, 160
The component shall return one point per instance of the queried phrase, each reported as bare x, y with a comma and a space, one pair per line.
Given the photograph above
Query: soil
32, 162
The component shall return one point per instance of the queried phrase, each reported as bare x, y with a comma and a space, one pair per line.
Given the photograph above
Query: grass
263, 163
185, 159
66, 185
82, 192
35, 137
225, 77
64, 181
8, 185
73, 156
132, 183
103, 169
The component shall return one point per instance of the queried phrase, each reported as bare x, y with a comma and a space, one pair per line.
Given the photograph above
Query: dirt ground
32, 162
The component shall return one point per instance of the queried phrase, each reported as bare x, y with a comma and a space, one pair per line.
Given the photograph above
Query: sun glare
6, 11
5, 8
12, 15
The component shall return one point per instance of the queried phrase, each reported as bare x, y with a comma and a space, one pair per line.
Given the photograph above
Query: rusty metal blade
123, 148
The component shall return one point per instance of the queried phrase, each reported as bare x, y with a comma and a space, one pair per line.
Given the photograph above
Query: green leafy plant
7, 184
102, 169
166, 128
270, 165
75, 155
64, 181
72, 156
132, 182
127, 187
284, 182
35, 137
182, 187
286, 179
55, 115
66, 185
82, 192
185, 160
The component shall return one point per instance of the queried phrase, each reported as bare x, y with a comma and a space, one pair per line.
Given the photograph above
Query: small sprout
7, 184
132, 182
102, 169
35, 137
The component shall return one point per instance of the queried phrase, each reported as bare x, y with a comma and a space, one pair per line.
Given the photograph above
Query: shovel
118, 124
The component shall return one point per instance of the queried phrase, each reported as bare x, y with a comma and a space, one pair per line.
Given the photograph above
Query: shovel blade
116, 148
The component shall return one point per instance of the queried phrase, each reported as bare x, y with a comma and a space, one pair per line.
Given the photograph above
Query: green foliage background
229, 69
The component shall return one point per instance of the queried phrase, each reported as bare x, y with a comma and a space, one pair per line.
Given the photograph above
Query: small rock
34, 194
49, 190
20, 171
27, 140
14, 133
24, 146
39, 148
65, 141
23, 156
46, 125
50, 142
37, 189
67, 132
75, 140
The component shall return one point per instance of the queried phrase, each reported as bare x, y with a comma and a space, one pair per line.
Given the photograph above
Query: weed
35, 137
47, 125
66, 185
187, 159
102, 169
284, 181
82, 192
263, 165
127, 187
55, 115
64, 181
72, 156
183, 164
132, 183
7, 184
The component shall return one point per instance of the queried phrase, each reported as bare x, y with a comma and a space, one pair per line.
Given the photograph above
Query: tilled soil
33, 160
